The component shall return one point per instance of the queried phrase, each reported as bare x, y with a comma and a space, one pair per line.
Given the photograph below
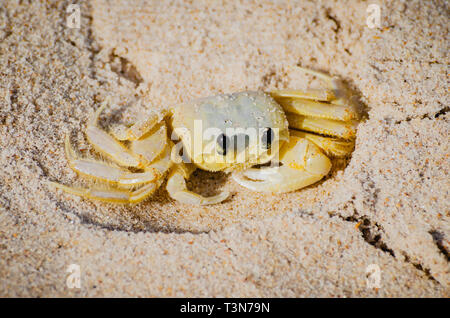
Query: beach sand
384, 208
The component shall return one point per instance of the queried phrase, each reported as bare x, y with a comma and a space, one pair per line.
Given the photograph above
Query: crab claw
177, 189
303, 163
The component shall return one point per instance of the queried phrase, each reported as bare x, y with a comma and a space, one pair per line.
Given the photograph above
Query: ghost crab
295, 131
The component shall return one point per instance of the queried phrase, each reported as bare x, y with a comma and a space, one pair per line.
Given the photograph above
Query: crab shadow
149, 216
207, 183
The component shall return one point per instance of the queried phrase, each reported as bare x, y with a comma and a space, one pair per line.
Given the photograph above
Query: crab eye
223, 141
267, 138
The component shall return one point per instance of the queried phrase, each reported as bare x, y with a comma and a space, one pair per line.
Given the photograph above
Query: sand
386, 207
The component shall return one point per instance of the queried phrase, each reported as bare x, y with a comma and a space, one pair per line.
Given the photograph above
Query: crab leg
112, 195
332, 146
342, 129
107, 145
318, 109
303, 164
341, 92
161, 165
149, 147
105, 172
177, 189
314, 94
138, 129
332, 115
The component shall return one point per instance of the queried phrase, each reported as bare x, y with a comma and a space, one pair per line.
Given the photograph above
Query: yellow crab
272, 142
